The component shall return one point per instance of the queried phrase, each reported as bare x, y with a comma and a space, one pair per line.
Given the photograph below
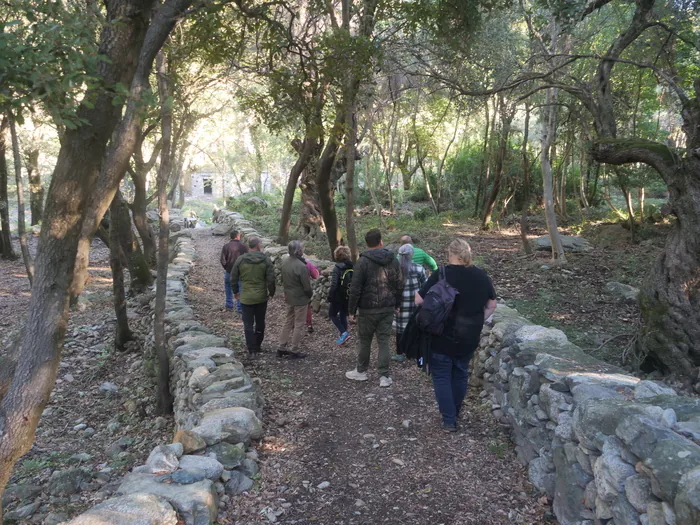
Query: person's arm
490, 308
430, 262
422, 277
235, 276
270, 277
313, 270
420, 294
222, 258
358, 282
398, 283
306, 282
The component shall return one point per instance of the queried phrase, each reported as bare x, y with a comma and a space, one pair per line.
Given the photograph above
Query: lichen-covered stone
133, 509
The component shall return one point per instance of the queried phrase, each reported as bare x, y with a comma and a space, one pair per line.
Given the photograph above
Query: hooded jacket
335, 294
296, 281
257, 276
377, 286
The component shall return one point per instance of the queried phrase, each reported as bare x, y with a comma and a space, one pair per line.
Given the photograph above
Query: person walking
313, 274
420, 257
339, 291
414, 278
376, 290
297, 295
231, 251
253, 278
452, 351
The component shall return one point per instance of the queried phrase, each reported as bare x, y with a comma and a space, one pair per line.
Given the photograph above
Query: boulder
646, 389
191, 442
134, 509
230, 456
223, 228
211, 467
197, 340
66, 482
196, 503
623, 292
569, 243
233, 425
539, 333
687, 503
162, 460
238, 483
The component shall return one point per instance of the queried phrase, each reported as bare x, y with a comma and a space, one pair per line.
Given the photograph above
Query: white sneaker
385, 382
356, 376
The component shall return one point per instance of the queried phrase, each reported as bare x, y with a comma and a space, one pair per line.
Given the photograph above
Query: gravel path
341, 452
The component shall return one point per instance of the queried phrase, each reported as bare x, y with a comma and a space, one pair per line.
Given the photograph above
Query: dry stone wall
606, 447
218, 411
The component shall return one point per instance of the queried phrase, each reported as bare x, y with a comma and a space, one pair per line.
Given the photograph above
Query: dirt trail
378, 452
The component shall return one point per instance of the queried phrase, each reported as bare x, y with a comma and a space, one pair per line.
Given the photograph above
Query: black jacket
338, 271
376, 284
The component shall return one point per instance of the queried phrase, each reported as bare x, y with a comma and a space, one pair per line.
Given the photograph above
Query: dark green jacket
296, 282
257, 276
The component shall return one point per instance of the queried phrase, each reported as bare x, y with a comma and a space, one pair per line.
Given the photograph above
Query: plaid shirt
416, 279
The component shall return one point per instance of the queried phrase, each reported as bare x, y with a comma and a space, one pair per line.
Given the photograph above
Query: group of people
380, 292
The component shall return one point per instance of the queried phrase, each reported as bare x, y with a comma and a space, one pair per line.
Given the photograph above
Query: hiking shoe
310, 329
446, 427
356, 376
398, 358
343, 338
385, 382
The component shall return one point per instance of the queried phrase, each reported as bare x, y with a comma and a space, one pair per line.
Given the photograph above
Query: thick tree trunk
138, 209
36, 188
310, 215
323, 179
484, 162
304, 149
507, 113
5, 237
122, 332
526, 183
139, 271
21, 231
73, 183
165, 400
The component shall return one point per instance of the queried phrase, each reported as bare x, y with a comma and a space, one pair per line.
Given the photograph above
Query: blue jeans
338, 312
450, 377
229, 292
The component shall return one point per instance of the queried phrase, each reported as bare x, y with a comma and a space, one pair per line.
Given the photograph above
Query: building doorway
208, 188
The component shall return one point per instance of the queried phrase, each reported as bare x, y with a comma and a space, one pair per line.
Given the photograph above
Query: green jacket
256, 274
423, 259
296, 282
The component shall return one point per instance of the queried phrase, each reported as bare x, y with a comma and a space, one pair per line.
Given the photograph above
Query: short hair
373, 238
296, 248
460, 249
254, 242
341, 253
234, 234
406, 239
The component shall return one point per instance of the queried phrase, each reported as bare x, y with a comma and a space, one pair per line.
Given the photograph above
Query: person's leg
334, 316
383, 337
343, 317
229, 291
441, 372
460, 381
299, 320
239, 306
249, 326
260, 312
288, 327
309, 315
365, 327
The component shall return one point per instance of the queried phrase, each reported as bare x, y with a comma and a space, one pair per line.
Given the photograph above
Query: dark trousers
370, 324
254, 325
450, 377
338, 312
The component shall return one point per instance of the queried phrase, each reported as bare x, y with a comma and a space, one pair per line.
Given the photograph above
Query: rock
323, 485
230, 456
539, 333
234, 425
223, 228
20, 493
190, 441
624, 513
638, 492
541, 475
162, 460
652, 389
610, 474
258, 202
188, 476
689, 429
66, 482
238, 483
79, 427
22, 513
81, 457
687, 502
196, 503
199, 340
624, 292
54, 518
249, 467
134, 509
569, 243
211, 467
109, 387
655, 513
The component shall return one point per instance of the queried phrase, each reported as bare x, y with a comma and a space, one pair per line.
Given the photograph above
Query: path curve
379, 453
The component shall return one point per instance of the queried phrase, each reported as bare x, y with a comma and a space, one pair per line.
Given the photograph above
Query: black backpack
345, 283
437, 306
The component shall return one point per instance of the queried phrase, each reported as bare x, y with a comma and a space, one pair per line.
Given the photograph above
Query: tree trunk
350, 156
165, 400
139, 211
310, 215
73, 182
323, 179
26, 256
139, 271
526, 184
484, 162
630, 213
550, 128
305, 150
122, 332
507, 113
640, 200
36, 189
5, 237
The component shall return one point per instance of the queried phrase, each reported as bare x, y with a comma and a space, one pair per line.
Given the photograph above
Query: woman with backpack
338, 294
414, 278
453, 342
